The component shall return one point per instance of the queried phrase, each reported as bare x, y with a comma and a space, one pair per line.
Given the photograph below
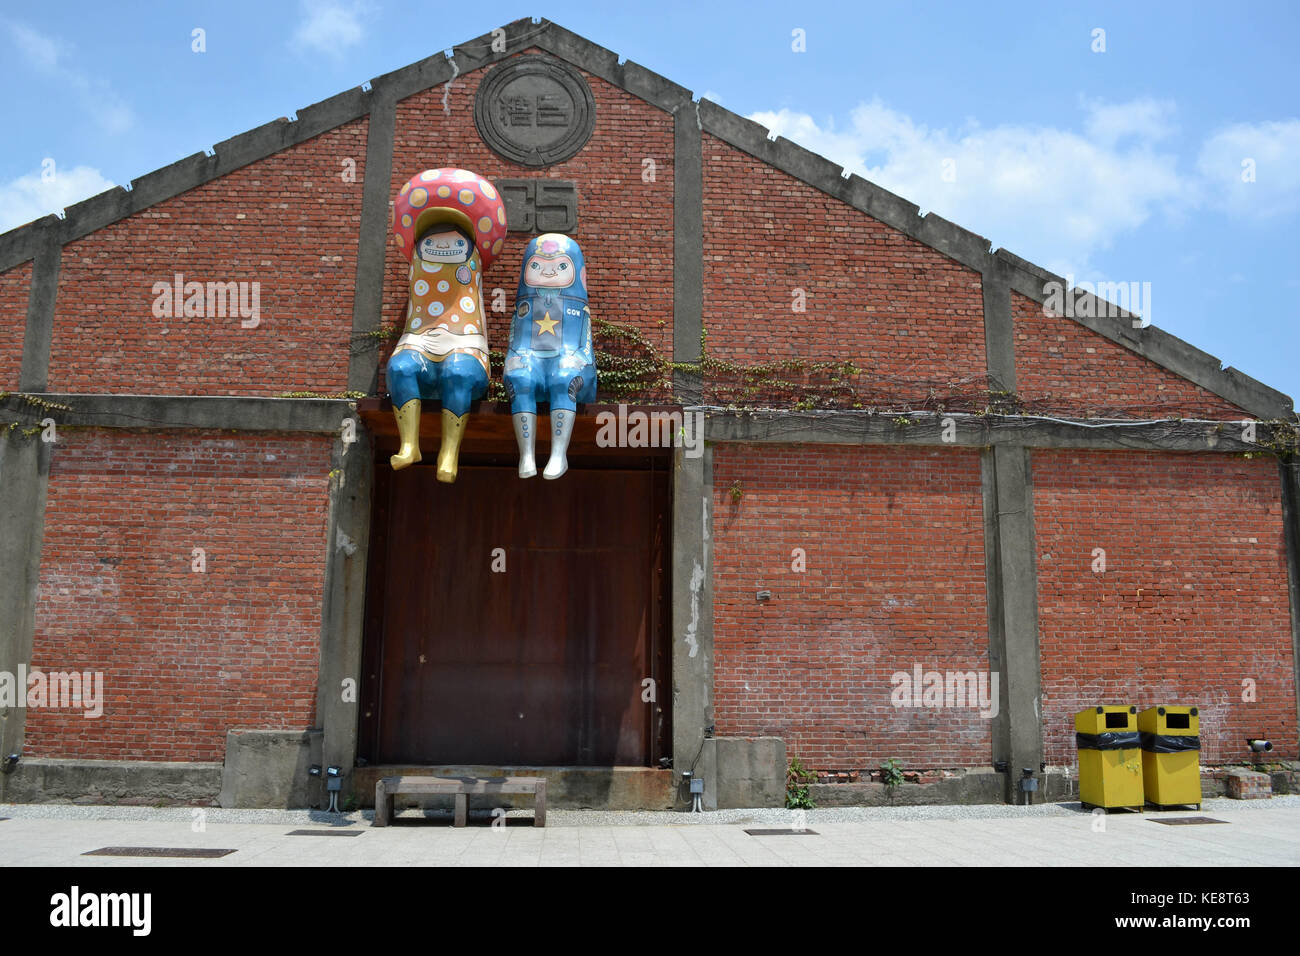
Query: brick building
949, 470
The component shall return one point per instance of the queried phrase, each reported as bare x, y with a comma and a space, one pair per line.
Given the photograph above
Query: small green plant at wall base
349, 803
891, 773
797, 778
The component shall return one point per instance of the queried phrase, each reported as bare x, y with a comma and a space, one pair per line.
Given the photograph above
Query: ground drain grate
782, 831
1187, 821
180, 852
324, 833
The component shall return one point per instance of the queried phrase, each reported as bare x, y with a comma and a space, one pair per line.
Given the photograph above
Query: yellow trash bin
1171, 755
1110, 762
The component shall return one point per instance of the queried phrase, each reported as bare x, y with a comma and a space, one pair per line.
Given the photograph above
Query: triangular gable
1157, 347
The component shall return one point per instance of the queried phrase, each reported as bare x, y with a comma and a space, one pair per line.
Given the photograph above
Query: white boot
561, 429
525, 435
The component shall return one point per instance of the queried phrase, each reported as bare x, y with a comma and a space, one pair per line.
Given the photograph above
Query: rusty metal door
515, 622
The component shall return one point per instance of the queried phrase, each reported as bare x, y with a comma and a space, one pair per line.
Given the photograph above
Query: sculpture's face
444, 244
549, 272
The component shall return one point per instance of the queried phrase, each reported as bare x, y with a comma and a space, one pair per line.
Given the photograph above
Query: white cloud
329, 27
41, 51
1055, 196
49, 56
34, 195
1143, 119
1268, 153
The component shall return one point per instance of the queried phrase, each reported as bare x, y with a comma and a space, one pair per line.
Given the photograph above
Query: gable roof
1000, 266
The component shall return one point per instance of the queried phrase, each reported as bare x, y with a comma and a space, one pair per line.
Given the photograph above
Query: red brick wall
14, 288
1063, 367
1193, 600
288, 222
906, 314
185, 655
625, 225
895, 577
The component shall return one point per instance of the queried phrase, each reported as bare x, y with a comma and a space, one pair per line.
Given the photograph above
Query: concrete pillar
338, 691
688, 248
1011, 569
372, 244
692, 624
1290, 475
24, 472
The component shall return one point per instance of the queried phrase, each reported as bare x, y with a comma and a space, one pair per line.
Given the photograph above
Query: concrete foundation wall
124, 782
269, 768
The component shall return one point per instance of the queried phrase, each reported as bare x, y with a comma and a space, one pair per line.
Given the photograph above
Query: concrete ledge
125, 782
971, 431
267, 769
320, 415
567, 788
965, 787
645, 84
750, 772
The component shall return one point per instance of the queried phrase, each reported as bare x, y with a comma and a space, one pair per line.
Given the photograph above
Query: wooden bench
460, 787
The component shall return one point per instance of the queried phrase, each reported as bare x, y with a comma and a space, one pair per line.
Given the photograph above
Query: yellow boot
453, 427
408, 427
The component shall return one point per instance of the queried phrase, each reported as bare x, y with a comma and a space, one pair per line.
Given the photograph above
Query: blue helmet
552, 262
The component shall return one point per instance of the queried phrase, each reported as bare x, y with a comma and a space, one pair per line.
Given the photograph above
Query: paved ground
1256, 833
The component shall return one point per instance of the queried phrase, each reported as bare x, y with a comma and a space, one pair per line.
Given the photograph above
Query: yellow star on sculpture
546, 324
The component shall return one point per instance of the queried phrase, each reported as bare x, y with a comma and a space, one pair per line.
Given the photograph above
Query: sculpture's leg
561, 431
408, 428
462, 378
526, 435
453, 427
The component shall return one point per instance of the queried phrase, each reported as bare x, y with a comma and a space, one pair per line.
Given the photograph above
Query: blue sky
1124, 165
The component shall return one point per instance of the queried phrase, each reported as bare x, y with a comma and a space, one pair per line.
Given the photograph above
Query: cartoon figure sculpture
550, 357
450, 224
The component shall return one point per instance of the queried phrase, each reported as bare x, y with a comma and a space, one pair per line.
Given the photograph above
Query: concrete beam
645, 84
688, 249
999, 330
231, 413
970, 431
372, 244
1017, 634
953, 241
39, 333
1152, 343
338, 686
692, 623
24, 474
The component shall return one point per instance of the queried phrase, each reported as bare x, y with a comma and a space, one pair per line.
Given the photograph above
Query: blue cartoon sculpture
550, 358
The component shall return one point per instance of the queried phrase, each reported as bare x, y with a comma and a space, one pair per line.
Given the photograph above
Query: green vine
351, 395
798, 796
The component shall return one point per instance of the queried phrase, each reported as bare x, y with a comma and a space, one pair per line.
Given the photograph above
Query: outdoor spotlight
313, 770
763, 596
1261, 746
333, 772
666, 763
10, 763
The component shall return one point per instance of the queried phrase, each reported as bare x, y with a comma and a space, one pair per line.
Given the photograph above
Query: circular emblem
534, 110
